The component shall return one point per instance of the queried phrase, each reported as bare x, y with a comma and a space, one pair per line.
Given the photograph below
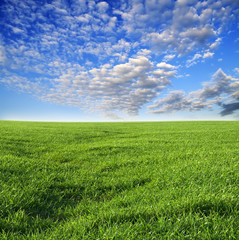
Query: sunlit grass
168, 180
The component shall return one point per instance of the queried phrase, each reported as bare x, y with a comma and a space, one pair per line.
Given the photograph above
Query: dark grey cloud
229, 108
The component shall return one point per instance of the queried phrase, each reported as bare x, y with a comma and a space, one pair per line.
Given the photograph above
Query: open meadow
139, 180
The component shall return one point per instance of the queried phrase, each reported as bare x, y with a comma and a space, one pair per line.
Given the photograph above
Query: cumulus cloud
111, 56
198, 57
236, 70
193, 25
2, 55
220, 84
169, 57
165, 65
174, 101
199, 36
215, 44
194, 59
102, 6
219, 90
208, 54
122, 87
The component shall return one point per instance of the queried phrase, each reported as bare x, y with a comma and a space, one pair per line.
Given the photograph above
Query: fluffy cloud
215, 44
208, 54
102, 6
174, 101
197, 57
123, 87
165, 65
110, 56
2, 55
169, 57
221, 89
193, 25
221, 83
236, 70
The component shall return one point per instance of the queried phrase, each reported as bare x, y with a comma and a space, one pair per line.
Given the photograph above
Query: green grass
165, 180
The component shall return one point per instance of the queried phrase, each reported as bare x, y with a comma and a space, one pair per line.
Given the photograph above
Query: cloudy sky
89, 60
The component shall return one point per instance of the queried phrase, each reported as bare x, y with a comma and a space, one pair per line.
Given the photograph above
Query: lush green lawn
165, 180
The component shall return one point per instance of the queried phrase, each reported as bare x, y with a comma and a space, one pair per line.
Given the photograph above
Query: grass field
152, 180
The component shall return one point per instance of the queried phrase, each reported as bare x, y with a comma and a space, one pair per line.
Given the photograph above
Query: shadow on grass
161, 220
55, 203
111, 150
207, 207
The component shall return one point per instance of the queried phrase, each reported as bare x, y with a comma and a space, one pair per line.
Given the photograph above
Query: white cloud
83, 24
102, 6
220, 83
208, 55
215, 44
169, 57
174, 101
88, 54
198, 36
144, 52
165, 65
17, 30
236, 70
194, 60
123, 87
221, 89
192, 27
197, 57
184, 2
2, 55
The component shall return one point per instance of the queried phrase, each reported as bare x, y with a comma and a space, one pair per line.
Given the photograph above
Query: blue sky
146, 60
